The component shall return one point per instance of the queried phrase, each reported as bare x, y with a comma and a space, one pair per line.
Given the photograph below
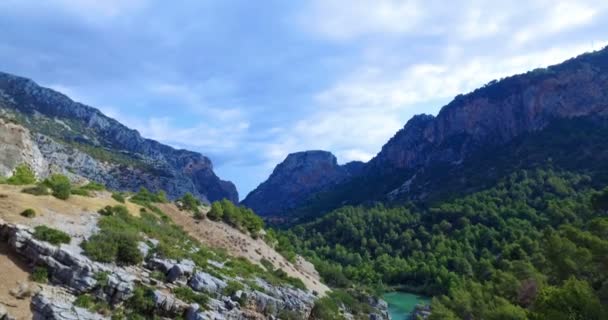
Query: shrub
51, 235
325, 309
38, 190
22, 175
28, 213
118, 197
144, 197
40, 275
142, 301
188, 295
114, 246
190, 202
84, 301
60, 185
232, 287
113, 210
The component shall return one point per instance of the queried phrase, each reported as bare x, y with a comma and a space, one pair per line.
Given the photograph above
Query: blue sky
247, 82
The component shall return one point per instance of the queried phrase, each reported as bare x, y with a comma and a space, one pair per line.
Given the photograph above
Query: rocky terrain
72, 275
473, 134
296, 178
76, 139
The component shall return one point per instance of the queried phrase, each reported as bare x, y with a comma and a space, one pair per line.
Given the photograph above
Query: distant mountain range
556, 116
69, 137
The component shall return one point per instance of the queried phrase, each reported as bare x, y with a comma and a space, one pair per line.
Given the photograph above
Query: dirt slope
220, 235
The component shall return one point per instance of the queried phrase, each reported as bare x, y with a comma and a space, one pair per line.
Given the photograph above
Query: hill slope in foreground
92, 256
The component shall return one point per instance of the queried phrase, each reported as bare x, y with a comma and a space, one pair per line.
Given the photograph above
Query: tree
60, 185
217, 211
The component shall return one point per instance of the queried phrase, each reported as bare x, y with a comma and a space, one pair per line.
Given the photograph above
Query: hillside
534, 246
520, 122
154, 258
75, 139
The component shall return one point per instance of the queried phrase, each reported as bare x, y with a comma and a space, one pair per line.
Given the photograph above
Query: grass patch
40, 275
118, 196
190, 296
51, 235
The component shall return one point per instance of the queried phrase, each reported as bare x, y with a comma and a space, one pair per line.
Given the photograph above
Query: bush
38, 190
22, 175
84, 301
232, 287
188, 295
115, 210
144, 197
51, 235
190, 202
118, 246
28, 213
40, 275
61, 186
118, 197
142, 301
325, 309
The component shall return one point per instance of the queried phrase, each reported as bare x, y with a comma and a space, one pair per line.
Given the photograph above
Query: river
400, 304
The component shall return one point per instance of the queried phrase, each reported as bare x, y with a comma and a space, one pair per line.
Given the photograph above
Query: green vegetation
146, 198
190, 203
60, 186
118, 196
40, 275
188, 295
38, 190
22, 175
532, 247
113, 210
51, 235
142, 302
28, 213
86, 189
233, 287
238, 217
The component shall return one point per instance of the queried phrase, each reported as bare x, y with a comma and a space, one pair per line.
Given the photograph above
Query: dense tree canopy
525, 249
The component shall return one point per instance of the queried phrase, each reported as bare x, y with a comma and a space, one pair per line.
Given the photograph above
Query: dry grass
12, 272
220, 235
13, 202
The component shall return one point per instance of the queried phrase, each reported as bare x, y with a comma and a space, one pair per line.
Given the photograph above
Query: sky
248, 82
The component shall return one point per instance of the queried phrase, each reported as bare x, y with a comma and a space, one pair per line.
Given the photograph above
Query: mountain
296, 178
80, 141
520, 122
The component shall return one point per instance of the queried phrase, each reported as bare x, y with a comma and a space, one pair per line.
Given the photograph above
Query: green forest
535, 246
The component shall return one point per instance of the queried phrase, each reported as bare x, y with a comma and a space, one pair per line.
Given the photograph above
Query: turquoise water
400, 304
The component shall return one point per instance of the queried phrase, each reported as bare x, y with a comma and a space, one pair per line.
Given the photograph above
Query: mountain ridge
491, 116
57, 122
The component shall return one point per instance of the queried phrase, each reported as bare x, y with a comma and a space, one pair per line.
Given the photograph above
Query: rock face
492, 117
296, 178
71, 274
77, 138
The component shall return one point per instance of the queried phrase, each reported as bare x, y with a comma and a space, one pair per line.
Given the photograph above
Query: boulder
181, 270
59, 307
204, 282
168, 305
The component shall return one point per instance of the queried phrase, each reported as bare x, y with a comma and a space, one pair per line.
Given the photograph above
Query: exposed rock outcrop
296, 178
74, 274
77, 138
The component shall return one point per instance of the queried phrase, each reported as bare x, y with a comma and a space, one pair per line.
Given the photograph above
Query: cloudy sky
247, 82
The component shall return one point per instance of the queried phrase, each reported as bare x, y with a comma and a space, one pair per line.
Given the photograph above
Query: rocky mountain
70, 137
296, 178
484, 135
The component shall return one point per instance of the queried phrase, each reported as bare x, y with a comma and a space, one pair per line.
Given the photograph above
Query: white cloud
347, 19
559, 17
